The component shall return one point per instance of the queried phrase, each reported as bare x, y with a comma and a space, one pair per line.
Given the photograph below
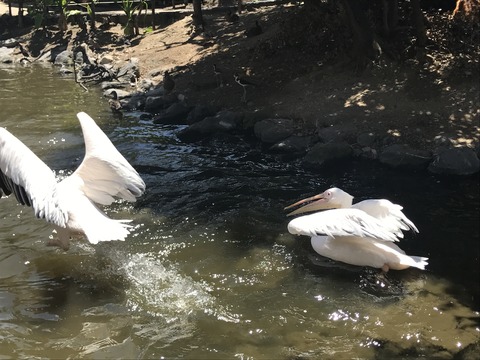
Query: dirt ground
304, 78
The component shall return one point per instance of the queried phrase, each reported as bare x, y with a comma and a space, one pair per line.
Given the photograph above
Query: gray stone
130, 69
156, 91
223, 122
400, 155
9, 43
114, 85
455, 161
324, 154
121, 94
337, 133
293, 145
273, 130
136, 102
175, 114
366, 139
64, 58
145, 85
6, 55
200, 112
155, 104
471, 352
106, 59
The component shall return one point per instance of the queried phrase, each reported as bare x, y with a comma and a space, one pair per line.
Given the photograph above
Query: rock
293, 145
174, 114
324, 154
106, 59
6, 55
155, 73
250, 118
64, 58
337, 133
156, 91
400, 155
130, 69
136, 102
455, 161
223, 122
200, 112
469, 353
155, 104
45, 57
366, 139
9, 43
121, 94
114, 85
145, 85
271, 131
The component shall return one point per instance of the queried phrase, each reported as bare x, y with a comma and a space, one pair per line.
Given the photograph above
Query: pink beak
317, 202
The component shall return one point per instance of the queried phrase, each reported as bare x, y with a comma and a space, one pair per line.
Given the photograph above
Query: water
210, 271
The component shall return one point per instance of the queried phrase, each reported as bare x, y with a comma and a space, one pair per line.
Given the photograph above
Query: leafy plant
130, 8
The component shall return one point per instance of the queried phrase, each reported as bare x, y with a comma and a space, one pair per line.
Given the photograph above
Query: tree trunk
420, 30
363, 44
93, 16
20, 13
197, 13
153, 14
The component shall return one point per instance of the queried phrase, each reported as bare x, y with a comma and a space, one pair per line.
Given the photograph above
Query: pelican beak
316, 202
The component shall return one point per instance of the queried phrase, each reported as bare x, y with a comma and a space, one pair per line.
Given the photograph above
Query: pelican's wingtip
83, 116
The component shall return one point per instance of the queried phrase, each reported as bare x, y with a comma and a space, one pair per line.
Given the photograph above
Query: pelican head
333, 198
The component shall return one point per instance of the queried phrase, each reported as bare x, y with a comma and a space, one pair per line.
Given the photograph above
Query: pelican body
71, 204
362, 234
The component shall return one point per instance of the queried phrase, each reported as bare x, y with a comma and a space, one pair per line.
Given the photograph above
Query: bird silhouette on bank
244, 83
254, 31
231, 16
218, 75
168, 82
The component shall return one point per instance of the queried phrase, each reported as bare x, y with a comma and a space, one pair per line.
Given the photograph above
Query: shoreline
334, 114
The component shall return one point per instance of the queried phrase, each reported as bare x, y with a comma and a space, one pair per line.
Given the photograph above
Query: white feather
361, 234
103, 175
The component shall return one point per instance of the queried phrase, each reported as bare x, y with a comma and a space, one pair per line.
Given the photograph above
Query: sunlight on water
209, 270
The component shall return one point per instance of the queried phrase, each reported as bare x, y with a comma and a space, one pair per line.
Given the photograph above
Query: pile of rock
320, 148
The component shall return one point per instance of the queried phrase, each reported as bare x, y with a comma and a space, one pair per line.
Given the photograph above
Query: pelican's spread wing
29, 178
341, 222
389, 214
104, 171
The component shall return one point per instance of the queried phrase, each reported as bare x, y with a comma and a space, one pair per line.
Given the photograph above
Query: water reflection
210, 271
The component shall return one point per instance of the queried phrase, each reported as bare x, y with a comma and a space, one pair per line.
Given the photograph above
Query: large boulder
293, 145
403, 156
223, 122
129, 70
175, 114
325, 154
200, 112
337, 133
271, 131
155, 104
6, 55
455, 161
64, 58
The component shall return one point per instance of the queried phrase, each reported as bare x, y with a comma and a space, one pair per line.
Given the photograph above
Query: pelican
361, 234
71, 204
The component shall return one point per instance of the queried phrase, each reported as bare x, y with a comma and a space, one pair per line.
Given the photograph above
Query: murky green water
211, 272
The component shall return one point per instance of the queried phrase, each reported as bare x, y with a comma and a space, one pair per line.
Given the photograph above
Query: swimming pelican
361, 234
70, 205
